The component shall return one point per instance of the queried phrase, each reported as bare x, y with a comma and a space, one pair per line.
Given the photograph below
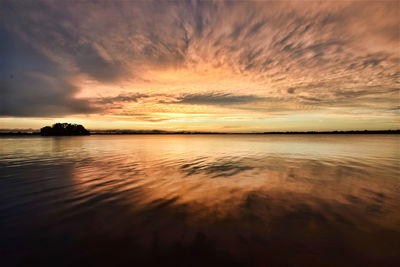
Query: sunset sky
236, 66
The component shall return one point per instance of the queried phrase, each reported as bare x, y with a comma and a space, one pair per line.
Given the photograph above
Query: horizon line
156, 131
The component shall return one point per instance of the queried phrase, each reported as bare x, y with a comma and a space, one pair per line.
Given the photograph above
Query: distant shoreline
133, 132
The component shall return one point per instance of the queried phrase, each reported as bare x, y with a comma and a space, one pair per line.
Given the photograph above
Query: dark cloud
121, 98
255, 28
53, 29
31, 85
31, 97
89, 61
310, 99
217, 99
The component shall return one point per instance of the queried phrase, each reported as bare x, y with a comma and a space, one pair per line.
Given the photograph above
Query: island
61, 129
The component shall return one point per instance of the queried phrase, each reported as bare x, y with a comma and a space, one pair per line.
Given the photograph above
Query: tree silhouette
64, 129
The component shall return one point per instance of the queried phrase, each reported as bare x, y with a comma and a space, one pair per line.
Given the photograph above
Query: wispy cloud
259, 55
121, 98
218, 99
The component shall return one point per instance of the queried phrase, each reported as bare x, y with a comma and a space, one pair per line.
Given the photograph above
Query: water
200, 200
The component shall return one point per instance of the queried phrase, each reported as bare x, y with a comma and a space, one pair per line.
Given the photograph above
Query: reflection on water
200, 200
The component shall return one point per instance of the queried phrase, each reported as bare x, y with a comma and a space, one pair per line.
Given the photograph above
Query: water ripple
238, 196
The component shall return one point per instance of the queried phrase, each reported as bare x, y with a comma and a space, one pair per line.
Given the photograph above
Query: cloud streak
218, 99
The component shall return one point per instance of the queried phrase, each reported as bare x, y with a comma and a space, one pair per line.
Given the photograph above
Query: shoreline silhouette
138, 132
64, 129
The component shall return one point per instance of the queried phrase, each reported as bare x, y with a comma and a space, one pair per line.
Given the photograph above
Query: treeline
340, 132
60, 129
106, 132
64, 129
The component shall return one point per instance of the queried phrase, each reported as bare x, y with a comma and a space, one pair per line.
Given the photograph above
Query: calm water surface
200, 200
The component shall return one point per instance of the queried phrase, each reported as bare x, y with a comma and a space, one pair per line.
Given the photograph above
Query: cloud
90, 61
218, 99
287, 54
137, 104
291, 90
121, 98
31, 85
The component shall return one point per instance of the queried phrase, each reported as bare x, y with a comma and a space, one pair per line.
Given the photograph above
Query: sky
230, 66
